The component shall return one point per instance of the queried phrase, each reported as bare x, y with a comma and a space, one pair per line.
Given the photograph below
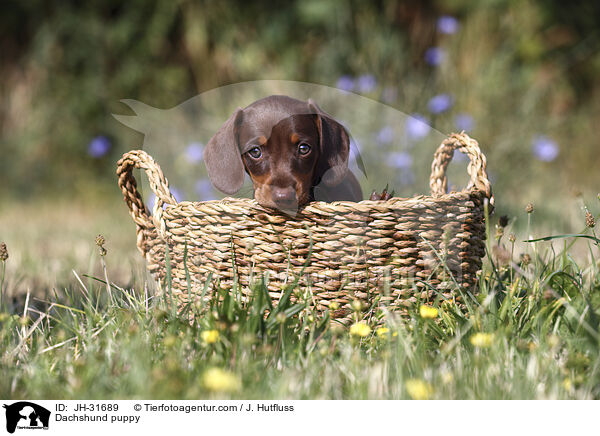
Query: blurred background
522, 77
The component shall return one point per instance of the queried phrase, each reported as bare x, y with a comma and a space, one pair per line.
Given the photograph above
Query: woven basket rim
165, 201
375, 204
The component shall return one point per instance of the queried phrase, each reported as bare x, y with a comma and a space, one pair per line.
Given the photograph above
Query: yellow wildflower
360, 329
482, 340
418, 389
218, 380
447, 377
210, 336
428, 312
382, 331
169, 341
553, 341
567, 384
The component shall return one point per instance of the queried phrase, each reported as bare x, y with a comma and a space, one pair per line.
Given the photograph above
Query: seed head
499, 232
357, 306
512, 238
526, 259
589, 220
529, 208
503, 221
100, 240
3, 252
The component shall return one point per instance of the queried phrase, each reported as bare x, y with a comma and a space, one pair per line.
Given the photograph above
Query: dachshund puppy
293, 151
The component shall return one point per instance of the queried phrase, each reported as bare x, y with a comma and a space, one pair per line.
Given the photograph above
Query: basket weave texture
398, 250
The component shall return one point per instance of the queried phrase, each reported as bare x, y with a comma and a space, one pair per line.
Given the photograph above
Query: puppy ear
222, 156
334, 145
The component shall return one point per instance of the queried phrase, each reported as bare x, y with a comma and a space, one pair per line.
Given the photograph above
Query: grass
532, 332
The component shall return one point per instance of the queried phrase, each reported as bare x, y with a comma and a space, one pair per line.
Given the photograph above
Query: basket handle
476, 168
159, 185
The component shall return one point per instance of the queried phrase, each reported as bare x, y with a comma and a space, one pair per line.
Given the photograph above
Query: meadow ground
532, 332
520, 77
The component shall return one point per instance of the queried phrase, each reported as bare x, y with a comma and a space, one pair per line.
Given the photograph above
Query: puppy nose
284, 196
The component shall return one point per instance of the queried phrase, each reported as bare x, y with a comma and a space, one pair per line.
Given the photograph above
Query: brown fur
282, 176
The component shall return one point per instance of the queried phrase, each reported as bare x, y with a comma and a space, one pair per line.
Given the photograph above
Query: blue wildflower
434, 56
464, 122
204, 189
416, 126
447, 24
440, 103
366, 83
401, 160
385, 135
99, 146
545, 149
194, 152
345, 83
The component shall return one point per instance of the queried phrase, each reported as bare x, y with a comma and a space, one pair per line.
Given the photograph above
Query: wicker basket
400, 249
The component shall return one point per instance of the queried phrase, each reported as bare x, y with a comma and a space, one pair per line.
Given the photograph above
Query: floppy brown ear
222, 156
334, 145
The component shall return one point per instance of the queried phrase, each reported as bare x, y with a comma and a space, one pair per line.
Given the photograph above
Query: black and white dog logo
26, 415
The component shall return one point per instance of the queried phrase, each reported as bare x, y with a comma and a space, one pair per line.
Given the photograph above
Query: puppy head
287, 146
282, 166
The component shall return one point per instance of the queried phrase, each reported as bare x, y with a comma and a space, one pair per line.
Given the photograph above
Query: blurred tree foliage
65, 66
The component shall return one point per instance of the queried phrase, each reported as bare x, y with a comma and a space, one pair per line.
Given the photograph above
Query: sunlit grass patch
531, 332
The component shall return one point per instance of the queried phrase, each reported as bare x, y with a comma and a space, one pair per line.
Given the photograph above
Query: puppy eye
303, 149
255, 152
